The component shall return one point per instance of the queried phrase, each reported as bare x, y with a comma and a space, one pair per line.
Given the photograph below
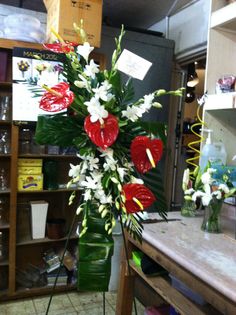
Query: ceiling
132, 13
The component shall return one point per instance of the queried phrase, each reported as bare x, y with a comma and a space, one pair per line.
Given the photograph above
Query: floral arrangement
115, 147
201, 187
204, 186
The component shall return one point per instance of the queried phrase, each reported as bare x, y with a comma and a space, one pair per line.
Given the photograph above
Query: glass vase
211, 221
188, 208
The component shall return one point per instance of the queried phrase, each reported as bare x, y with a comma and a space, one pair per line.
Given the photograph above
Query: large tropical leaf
95, 252
153, 180
59, 130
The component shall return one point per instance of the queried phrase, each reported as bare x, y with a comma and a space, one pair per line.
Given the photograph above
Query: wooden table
205, 262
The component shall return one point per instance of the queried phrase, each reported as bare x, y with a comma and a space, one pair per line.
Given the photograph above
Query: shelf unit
219, 109
21, 249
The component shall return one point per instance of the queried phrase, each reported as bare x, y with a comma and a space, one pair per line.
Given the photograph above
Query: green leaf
58, 129
95, 252
153, 180
158, 129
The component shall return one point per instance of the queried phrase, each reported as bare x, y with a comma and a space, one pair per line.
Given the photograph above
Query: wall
157, 50
188, 28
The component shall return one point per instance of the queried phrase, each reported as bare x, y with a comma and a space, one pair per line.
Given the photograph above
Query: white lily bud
104, 213
107, 226
101, 208
79, 210
114, 180
117, 205
84, 222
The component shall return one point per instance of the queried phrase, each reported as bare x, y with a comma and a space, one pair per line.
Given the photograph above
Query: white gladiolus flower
217, 194
107, 153
87, 195
207, 189
185, 181
89, 183
96, 110
101, 196
189, 191
147, 104
133, 113
74, 170
110, 164
224, 187
91, 69
102, 92
206, 199
122, 172
206, 178
93, 163
83, 83
135, 180
97, 176
197, 194
84, 50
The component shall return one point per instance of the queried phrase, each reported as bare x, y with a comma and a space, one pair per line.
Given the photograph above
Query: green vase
188, 208
211, 220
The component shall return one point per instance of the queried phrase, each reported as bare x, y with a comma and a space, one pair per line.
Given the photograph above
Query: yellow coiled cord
192, 145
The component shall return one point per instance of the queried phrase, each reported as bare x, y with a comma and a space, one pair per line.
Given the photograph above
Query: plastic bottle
215, 153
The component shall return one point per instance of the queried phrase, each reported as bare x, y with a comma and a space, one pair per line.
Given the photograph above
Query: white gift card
133, 65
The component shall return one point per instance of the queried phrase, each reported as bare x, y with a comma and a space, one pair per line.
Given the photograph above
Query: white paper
133, 65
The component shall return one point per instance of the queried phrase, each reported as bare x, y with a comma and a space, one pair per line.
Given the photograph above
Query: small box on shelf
59, 17
30, 182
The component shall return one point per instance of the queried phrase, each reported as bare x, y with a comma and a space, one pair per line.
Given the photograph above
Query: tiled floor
72, 303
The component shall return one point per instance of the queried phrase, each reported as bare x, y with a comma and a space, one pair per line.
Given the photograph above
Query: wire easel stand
61, 263
127, 258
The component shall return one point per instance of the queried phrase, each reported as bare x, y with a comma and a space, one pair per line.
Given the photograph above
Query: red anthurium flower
64, 47
57, 98
137, 197
103, 135
145, 153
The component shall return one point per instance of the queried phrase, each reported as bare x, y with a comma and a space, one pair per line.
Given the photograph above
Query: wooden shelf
10, 44
225, 18
220, 101
3, 192
6, 84
5, 123
29, 241
4, 262
4, 225
47, 156
5, 155
46, 191
162, 286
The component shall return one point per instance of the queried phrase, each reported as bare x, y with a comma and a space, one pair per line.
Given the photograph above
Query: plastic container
22, 21
215, 153
180, 286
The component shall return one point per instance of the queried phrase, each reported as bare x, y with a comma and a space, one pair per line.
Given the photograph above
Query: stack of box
30, 175
61, 14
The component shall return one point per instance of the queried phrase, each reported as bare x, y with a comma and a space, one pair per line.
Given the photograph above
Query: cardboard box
30, 162
63, 13
29, 170
30, 182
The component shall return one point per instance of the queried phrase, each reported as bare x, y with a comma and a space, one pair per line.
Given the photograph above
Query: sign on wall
31, 70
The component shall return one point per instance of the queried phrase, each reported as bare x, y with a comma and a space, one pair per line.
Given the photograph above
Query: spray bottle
213, 152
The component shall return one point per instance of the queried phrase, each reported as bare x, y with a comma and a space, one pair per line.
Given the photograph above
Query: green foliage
95, 251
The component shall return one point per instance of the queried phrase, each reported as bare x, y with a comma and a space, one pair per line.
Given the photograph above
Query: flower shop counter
205, 262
